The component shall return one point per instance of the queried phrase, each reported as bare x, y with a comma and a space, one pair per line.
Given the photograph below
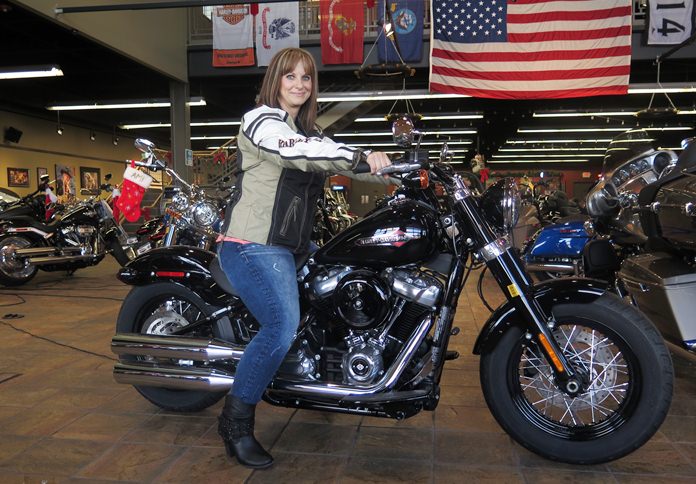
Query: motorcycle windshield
624, 147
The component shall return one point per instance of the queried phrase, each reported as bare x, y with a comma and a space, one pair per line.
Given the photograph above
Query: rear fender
180, 264
547, 294
37, 236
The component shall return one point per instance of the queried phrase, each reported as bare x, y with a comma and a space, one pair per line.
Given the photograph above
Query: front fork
508, 270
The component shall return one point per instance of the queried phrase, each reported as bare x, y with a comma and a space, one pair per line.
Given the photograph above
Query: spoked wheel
15, 271
627, 373
161, 309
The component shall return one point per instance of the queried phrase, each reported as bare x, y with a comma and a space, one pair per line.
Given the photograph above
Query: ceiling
95, 73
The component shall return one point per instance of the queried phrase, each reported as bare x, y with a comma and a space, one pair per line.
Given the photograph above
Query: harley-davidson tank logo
397, 238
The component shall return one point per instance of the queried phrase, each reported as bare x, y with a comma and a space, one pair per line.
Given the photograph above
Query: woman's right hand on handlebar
377, 160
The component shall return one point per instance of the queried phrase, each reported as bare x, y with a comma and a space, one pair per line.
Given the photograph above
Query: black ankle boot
236, 427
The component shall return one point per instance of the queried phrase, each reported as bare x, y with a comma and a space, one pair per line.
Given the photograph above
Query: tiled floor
63, 419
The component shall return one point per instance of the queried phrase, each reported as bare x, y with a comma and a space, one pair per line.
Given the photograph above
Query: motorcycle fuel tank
402, 233
561, 240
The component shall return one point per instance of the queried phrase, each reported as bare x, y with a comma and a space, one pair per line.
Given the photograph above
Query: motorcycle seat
28, 221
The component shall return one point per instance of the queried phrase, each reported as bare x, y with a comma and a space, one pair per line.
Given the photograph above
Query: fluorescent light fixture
425, 133
572, 160
594, 130
154, 103
546, 150
425, 143
666, 87
24, 72
329, 97
169, 125
576, 114
552, 141
551, 156
198, 138
425, 118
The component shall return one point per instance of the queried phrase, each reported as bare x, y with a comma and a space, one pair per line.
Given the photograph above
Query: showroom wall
40, 146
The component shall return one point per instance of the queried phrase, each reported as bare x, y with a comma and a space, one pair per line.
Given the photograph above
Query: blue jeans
265, 279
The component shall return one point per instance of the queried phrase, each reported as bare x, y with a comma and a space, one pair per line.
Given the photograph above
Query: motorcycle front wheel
13, 270
161, 309
628, 384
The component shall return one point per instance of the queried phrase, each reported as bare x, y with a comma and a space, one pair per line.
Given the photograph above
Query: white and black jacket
282, 177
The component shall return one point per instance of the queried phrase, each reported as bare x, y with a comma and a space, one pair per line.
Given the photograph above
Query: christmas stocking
114, 204
135, 182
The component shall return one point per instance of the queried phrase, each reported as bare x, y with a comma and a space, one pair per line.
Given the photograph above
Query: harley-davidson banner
276, 28
233, 36
342, 31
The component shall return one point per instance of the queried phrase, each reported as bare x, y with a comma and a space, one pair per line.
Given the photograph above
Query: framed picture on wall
40, 172
90, 178
65, 181
17, 177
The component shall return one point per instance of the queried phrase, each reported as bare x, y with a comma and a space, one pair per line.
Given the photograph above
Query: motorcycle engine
79, 235
370, 314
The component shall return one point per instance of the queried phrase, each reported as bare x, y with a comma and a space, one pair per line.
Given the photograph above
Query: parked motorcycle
192, 217
83, 234
593, 245
568, 369
661, 278
32, 205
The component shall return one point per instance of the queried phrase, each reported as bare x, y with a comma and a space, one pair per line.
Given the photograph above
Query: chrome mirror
146, 146
403, 131
687, 141
445, 153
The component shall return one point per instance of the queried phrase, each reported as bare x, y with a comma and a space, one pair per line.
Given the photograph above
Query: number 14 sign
671, 21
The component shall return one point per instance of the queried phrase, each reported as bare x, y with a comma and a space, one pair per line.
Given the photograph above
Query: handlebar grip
362, 167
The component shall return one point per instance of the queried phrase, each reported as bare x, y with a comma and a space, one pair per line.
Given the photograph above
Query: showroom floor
63, 419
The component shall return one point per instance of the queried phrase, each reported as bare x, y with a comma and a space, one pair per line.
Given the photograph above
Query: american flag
530, 49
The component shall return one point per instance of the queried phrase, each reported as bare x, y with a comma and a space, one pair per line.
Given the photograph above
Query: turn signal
170, 274
424, 179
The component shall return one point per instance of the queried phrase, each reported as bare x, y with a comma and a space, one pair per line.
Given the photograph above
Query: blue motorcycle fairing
565, 290
565, 239
177, 263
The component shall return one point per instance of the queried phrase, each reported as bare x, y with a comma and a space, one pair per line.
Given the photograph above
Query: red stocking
135, 182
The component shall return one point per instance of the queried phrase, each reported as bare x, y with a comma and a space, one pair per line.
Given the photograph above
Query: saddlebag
664, 288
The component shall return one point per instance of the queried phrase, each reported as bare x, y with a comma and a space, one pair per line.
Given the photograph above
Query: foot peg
451, 355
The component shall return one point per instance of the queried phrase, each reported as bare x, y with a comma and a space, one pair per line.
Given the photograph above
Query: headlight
500, 204
204, 214
180, 202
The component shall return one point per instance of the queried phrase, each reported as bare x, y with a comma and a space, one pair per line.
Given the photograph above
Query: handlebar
399, 168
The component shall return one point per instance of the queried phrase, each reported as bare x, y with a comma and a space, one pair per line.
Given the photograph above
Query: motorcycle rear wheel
159, 309
629, 390
15, 272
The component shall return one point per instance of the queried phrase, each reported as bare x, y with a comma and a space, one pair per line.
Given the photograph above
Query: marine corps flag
403, 19
276, 28
233, 36
342, 31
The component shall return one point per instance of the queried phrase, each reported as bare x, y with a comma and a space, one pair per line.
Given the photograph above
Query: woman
283, 160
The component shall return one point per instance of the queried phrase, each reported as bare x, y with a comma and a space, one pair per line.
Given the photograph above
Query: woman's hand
377, 160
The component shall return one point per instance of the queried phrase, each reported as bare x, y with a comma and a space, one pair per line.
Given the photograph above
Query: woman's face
295, 89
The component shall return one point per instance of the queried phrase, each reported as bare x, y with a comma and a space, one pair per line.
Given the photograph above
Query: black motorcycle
83, 234
568, 369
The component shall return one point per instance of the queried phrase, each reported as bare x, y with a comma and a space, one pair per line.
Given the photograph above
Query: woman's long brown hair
283, 62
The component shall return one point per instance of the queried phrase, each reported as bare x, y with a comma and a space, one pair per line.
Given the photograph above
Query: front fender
547, 294
181, 264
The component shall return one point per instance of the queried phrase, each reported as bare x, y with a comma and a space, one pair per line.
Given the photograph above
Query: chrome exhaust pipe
59, 259
208, 379
551, 267
38, 251
176, 347
180, 378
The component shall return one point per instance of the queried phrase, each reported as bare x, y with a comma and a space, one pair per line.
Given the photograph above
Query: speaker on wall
12, 135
